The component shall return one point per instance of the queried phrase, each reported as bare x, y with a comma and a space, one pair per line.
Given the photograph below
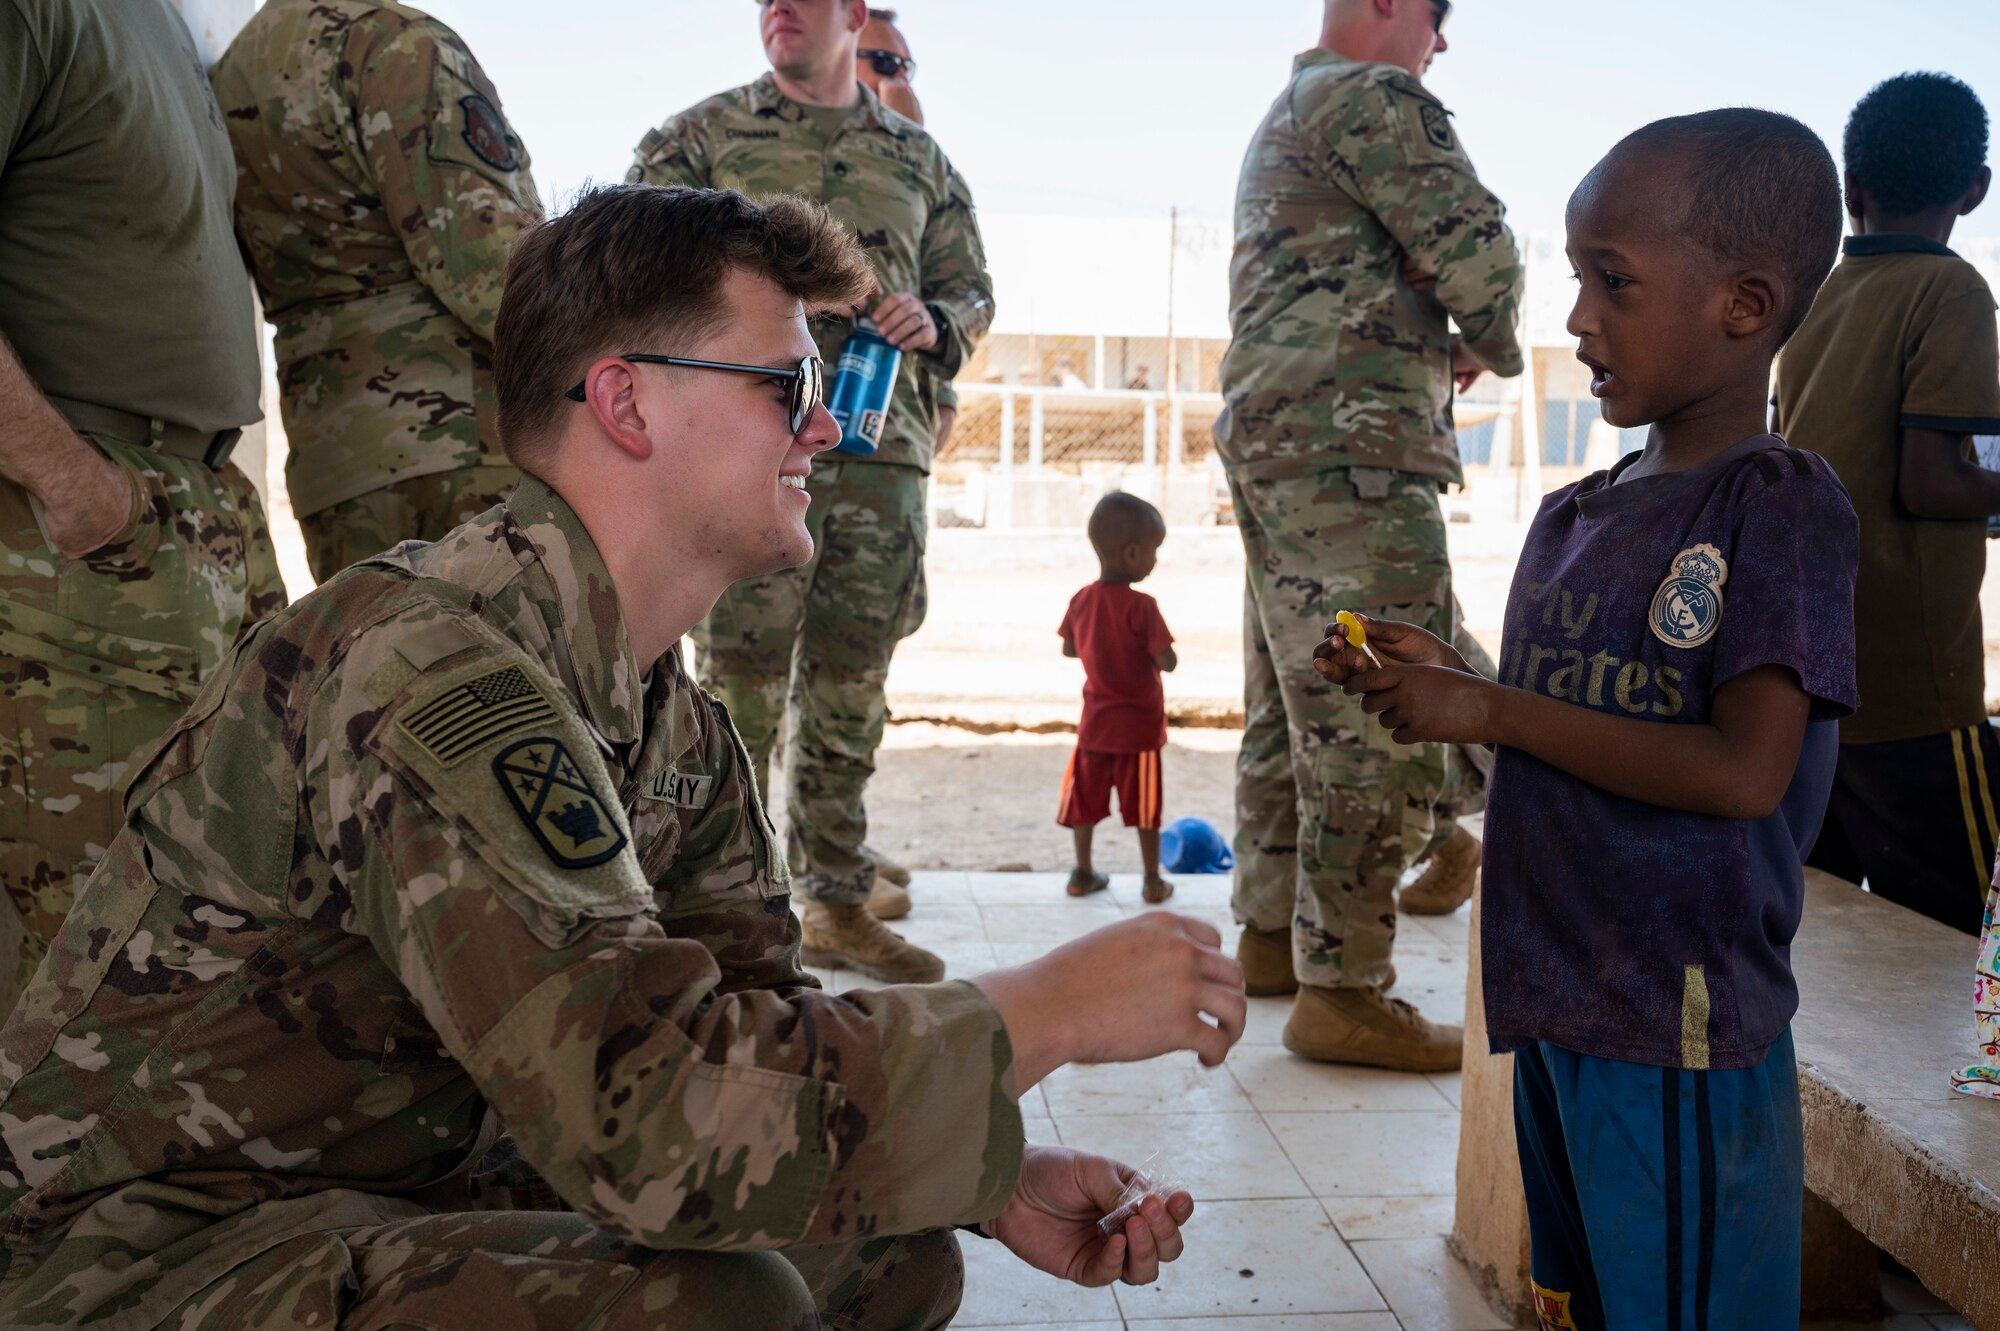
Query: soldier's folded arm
451, 173
674, 154
1396, 149
955, 283
660, 1107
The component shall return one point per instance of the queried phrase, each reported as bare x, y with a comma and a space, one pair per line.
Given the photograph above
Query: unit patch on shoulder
1437, 126
461, 720
486, 133
1687, 609
550, 792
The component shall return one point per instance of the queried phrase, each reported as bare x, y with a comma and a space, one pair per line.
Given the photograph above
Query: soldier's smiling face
1650, 304
738, 473
805, 38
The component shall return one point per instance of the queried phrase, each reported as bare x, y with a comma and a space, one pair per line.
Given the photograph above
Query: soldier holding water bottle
818, 639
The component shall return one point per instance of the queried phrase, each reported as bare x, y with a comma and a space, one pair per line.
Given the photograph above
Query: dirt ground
946, 798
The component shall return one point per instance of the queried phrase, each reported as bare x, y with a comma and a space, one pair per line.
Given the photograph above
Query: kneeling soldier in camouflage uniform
819, 639
455, 843
132, 552
379, 189
1360, 226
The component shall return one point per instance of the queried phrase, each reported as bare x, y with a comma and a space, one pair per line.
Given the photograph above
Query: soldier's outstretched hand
1130, 991
1051, 1221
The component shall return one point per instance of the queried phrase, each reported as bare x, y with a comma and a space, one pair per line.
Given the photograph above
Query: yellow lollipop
1357, 636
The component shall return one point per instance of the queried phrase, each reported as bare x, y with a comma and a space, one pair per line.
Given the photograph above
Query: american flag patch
457, 723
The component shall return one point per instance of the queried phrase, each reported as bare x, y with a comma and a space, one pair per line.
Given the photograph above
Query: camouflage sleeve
953, 279
451, 173
1392, 145
492, 870
674, 154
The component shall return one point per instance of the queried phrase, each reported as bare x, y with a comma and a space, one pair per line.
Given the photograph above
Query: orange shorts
1092, 776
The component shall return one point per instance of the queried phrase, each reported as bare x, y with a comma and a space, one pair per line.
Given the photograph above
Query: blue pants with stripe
1659, 1198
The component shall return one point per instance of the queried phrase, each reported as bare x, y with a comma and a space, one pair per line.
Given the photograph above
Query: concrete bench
1894, 1158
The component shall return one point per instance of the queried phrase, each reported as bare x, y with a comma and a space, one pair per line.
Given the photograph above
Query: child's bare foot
1082, 884
1156, 890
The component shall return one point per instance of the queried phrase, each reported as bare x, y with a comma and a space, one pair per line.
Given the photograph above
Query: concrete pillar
1489, 1230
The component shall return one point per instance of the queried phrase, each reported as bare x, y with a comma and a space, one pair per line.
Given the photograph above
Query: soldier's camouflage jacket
888, 181
378, 191
1335, 360
430, 855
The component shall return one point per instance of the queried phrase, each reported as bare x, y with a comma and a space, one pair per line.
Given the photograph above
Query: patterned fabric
1334, 358
326, 959
379, 188
1983, 1079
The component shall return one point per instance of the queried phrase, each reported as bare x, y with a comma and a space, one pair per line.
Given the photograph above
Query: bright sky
1122, 108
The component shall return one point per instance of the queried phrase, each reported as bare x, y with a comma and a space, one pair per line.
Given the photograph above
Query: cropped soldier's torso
877, 172
1335, 359
379, 189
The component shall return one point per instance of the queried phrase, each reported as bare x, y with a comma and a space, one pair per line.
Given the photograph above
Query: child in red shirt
1124, 645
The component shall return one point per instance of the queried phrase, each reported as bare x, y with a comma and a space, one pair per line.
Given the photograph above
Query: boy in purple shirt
1679, 647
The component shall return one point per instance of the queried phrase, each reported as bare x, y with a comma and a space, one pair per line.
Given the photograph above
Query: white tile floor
1323, 1193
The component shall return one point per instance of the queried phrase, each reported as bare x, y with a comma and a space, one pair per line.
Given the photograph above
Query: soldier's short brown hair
641, 268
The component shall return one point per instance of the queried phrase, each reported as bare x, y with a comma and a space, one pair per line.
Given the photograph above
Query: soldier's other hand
1395, 643
1415, 277
1465, 367
87, 506
1427, 704
906, 322
1051, 1221
1134, 990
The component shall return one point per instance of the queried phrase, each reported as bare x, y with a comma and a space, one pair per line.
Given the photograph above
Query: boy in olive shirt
1890, 376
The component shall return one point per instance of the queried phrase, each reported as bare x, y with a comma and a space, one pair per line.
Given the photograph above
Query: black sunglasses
808, 380
888, 64
1439, 14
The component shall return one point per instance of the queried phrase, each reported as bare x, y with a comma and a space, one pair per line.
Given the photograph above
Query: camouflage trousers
553, 1271
815, 642
1466, 766
422, 508
1329, 809
98, 656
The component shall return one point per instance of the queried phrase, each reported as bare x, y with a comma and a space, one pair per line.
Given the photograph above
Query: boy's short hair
1916, 142
641, 268
1762, 188
1122, 519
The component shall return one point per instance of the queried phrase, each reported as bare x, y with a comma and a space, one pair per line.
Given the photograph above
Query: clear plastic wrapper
1155, 1177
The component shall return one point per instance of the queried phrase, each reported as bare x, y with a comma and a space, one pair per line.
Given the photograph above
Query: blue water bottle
863, 382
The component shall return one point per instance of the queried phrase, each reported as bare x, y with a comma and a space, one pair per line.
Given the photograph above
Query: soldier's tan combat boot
887, 868
1367, 1027
887, 901
839, 937
1266, 958
1447, 883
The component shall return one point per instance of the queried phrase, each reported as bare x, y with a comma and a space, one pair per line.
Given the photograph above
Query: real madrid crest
1687, 610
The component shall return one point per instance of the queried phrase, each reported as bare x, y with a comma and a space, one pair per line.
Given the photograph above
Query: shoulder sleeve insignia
460, 721
1687, 609
486, 134
553, 797
1437, 126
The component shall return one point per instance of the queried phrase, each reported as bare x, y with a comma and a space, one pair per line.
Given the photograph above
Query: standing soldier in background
1360, 229
131, 551
820, 637
378, 191
886, 68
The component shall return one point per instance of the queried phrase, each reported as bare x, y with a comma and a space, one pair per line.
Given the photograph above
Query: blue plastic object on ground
1191, 845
